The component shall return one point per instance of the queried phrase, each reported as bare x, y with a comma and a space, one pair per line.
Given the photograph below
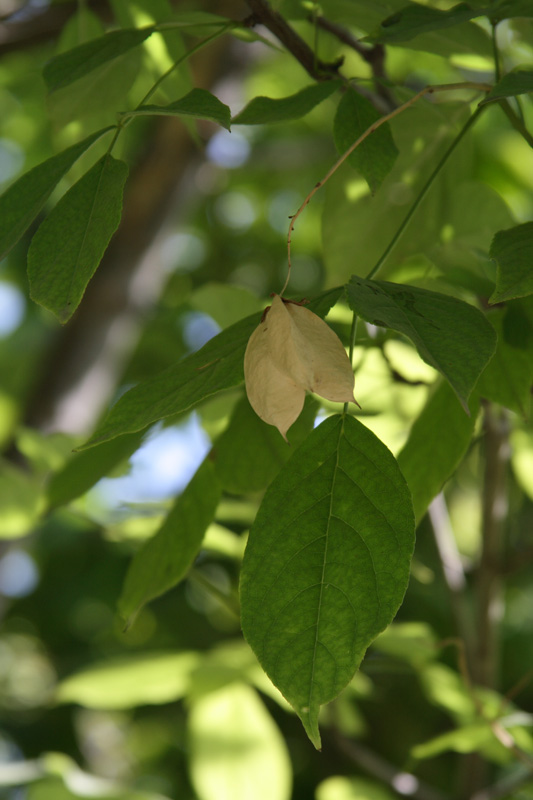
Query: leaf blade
70, 243
449, 334
339, 582
263, 110
512, 249
198, 103
519, 81
21, 203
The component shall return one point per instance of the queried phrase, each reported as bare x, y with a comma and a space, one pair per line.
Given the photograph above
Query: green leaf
415, 19
250, 453
512, 250
450, 335
131, 681
437, 443
217, 366
74, 64
374, 158
235, 748
519, 81
21, 501
83, 470
199, 103
266, 110
338, 787
327, 563
164, 560
21, 203
508, 377
70, 243
507, 9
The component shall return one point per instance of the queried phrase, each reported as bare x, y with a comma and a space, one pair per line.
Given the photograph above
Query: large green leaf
519, 81
513, 252
198, 103
437, 443
250, 453
327, 563
414, 19
70, 243
164, 560
74, 64
266, 110
374, 158
508, 377
83, 470
217, 366
450, 335
21, 203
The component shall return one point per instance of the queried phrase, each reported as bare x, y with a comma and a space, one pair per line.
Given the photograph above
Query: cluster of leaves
328, 556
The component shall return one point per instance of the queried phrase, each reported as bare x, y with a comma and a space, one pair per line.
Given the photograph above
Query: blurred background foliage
176, 706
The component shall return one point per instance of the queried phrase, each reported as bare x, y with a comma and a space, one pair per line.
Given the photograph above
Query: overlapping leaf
374, 158
266, 110
513, 252
70, 243
415, 19
198, 103
327, 563
519, 81
217, 366
450, 335
21, 203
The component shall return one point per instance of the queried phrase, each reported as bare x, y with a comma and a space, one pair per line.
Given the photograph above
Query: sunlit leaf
327, 563
267, 110
164, 560
70, 243
519, 81
429, 458
21, 203
513, 252
236, 750
217, 366
450, 335
21, 501
199, 103
74, 64
373, 158
339, 787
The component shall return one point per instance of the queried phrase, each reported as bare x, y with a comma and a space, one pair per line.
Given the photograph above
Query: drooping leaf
414, 19
236, 750
512, 250
266, 110
217, 366
327, 563
519, 81
292, 351
21, 203
373, 158
130, 681
508, 377
164, 560
437, 443
450, 335
250, 453
83, 470
74, 64
70, 243
198, 103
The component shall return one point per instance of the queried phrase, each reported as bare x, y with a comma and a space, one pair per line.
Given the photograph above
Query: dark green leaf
70, 243
266, 110
217, 366
327, 563
68, 67
437, 443
250, 453
83, 470
450, 335
415, 19
199, 103
21, 203
374, 158
508, 377
519, 81
507, 9
164, 560
513, 252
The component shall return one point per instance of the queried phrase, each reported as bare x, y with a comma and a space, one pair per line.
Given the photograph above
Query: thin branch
515, 121
481, 87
